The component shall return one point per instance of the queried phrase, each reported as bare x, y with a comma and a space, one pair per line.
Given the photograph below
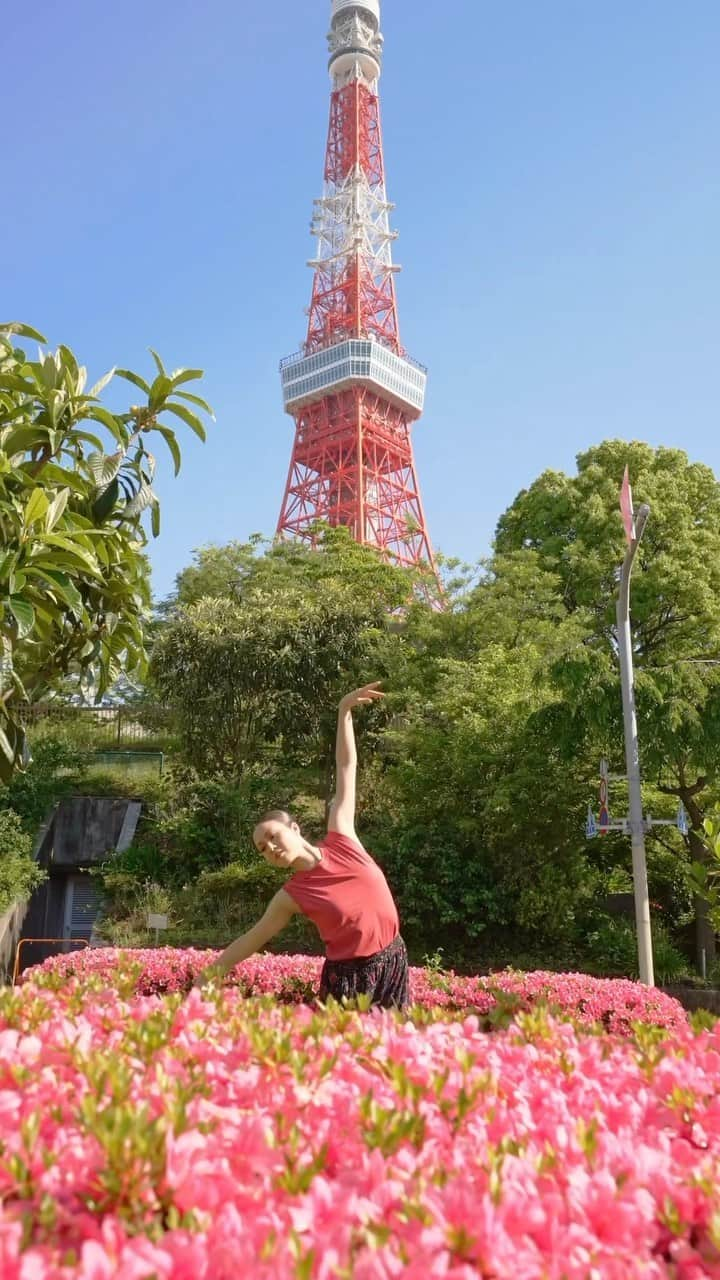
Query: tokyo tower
352, 389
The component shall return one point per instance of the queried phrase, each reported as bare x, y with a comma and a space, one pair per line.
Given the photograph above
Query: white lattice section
354, 218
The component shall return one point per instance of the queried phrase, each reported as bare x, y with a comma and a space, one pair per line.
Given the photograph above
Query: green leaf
142, 500
64, 477
159, 391
62, 585
49, 372
107, 500
7, 564
7, 750
155, 519
101, 550
190, 418
19, 686
69, 362
13, 382
104, 467
24, 615
198, 400
114, 425
55, 510
160, 366
89, 438
101, 384
22, 331
134, 377
22, 439
73, 549
10, 410
184, 375
168, 436
59, 559
35, 508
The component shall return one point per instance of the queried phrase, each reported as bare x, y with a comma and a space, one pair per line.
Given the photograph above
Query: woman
338, 886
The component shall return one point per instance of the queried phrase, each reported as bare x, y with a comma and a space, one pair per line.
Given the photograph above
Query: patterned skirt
384, 977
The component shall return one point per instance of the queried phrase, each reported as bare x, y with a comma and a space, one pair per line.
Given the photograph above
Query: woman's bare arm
279, 912
342, 809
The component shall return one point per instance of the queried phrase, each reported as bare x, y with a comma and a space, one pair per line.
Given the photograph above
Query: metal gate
82, 902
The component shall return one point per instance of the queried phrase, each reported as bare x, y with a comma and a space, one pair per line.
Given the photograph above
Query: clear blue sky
555, 170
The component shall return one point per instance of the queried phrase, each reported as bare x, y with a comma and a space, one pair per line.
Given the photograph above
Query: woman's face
278, 843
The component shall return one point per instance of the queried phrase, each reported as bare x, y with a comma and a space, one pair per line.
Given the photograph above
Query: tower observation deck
352, 390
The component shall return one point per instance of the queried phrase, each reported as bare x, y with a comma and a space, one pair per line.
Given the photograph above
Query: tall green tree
217, 571
471, 804
266, 665
571, 527
74, 591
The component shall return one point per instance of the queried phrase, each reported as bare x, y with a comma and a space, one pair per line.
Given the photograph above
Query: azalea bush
207, 1136
614, 1004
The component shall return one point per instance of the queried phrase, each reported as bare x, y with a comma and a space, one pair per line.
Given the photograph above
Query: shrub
192, 824
55, 770
210, 911
19, 874
612, 948
223, 904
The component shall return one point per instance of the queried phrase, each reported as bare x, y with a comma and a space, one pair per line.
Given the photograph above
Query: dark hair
276, 815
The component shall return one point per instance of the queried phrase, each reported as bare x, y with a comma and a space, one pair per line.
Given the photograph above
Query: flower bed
615, 1003
164, 1137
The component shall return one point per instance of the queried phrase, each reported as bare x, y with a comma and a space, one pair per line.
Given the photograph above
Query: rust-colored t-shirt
348, 898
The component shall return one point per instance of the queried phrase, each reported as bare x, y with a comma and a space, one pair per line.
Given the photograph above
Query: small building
80, 833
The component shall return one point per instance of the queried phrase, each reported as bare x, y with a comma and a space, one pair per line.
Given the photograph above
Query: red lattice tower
352, 390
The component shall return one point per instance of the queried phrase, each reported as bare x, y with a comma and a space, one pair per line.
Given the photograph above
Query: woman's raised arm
342, 809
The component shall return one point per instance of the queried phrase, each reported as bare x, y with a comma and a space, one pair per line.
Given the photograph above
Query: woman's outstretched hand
358, 697
206, 976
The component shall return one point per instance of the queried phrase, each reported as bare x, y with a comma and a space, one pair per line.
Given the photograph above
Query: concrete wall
692, 998
87, 828
10, 932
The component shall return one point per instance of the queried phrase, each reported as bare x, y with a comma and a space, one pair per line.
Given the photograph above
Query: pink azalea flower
150, 1130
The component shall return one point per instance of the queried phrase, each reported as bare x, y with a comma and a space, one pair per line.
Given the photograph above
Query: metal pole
632, 759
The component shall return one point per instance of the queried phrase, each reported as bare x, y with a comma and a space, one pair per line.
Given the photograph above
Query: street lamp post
636, 824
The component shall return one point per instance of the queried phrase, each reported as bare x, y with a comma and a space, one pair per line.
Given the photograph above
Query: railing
103, 728
81, 942
303, 353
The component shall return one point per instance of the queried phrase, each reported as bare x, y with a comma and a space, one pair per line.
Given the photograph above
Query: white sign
157, 922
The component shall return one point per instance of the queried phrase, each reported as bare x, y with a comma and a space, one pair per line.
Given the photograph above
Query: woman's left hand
211, 974
358, 697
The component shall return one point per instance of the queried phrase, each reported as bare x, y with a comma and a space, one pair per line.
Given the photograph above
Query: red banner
626, 508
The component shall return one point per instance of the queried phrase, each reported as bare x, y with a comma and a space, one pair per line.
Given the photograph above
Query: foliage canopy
74, 590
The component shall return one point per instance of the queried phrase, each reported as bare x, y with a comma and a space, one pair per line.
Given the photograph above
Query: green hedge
19, 874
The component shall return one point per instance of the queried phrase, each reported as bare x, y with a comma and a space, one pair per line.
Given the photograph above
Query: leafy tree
705, 876
476, 812
571, 528
73, 577
268, 665
217, 571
